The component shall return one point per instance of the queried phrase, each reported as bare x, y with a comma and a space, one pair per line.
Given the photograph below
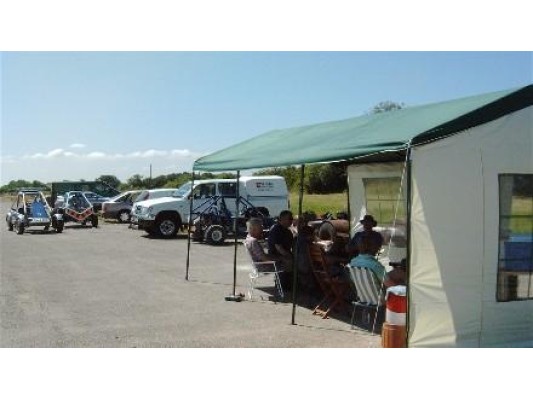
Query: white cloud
51, 154
154, 153
55, 153
59, 164
96, 154
175, 154
181, 153
77, 146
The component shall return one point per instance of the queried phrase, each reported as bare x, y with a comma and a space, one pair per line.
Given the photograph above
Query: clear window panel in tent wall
385, 201
515, 253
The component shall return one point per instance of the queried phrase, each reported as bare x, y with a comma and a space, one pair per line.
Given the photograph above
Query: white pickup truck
165, 216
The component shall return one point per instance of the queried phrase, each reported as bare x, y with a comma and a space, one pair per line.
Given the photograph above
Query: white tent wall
507, 147
446, 244
454, 237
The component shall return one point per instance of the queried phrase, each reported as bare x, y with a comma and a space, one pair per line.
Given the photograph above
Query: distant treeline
323, 178
318, 179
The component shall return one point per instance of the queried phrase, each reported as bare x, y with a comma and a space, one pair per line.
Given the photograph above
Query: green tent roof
382, 134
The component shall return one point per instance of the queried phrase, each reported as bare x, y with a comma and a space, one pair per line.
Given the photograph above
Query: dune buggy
213, 222
77, 208
31, 209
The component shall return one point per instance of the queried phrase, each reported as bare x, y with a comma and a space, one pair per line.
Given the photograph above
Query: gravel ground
115, 287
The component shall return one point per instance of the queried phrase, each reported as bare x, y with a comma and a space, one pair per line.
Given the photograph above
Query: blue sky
72, 115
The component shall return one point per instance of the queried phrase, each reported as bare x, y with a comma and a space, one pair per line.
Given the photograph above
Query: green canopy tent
378, 138
382, 135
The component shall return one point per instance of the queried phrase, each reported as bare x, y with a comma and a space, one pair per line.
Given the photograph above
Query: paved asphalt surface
116, 287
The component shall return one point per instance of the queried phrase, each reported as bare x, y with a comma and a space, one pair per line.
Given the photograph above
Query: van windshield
182, 190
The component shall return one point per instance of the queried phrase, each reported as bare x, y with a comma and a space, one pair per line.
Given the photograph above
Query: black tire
94, 221
19, 228
46, 228
124, 216
215, 235
59, 226
9, 225
197, 235
166, 226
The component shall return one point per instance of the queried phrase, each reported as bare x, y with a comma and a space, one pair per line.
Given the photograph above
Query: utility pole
150, 180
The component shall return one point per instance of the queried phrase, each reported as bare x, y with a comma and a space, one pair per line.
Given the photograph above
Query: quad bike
214, 223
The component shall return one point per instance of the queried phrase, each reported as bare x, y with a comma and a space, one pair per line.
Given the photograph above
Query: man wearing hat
374, 239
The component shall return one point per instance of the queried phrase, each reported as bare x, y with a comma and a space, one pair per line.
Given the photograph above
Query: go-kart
77, 208
31, 209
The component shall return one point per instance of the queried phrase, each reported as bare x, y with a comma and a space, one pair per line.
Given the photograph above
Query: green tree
385, 106
136, 182
178, 180
15, 185
110, 180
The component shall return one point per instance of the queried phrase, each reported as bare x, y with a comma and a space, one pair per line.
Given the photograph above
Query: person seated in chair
281, 239
375, 240
255, 234
367, 259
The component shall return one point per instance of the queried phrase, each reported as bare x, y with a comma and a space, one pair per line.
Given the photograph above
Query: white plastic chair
262, 269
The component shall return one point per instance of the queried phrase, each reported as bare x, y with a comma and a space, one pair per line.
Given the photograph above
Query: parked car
119, 207
98, 187
31, 209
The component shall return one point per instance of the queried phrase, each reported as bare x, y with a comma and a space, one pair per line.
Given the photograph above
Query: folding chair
367, 289
264, 269
333, 287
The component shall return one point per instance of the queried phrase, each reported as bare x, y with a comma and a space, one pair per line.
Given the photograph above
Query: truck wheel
166, 226
123, 216
59, 226
215, 235
20, 228
94, 221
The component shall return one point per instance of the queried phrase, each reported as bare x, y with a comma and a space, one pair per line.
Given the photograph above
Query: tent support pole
348, 211
295, 264
189, 231
233, 296
408, 194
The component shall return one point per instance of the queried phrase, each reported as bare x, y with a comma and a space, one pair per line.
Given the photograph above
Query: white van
165, 216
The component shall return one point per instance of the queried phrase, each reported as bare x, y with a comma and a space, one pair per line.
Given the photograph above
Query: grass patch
320, 203
521, 218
